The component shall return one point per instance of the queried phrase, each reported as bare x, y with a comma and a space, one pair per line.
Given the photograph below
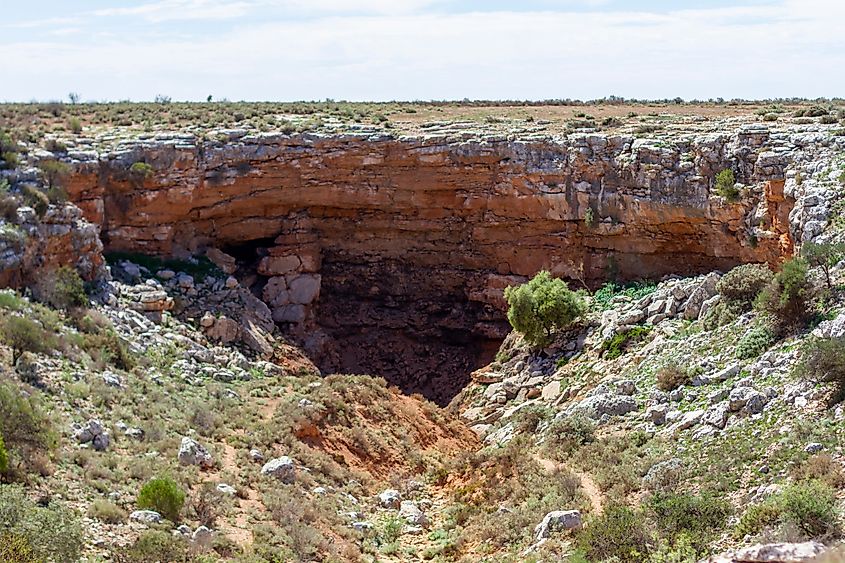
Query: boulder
192, 453
145, 517
282, 468
226, 263
390, 498
304, 289
557, 521
772, 553
412, 514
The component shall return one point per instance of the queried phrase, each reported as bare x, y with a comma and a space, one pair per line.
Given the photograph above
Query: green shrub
15, 548
742, 284
106, 511
787, 299
823, 256
154, 546
8, 151
62, 288
36, 199
726, 185
542, 305
49, 532
590, 218
139, 172
565, 435
163, 495
823, 360
74, 125
809, 505
614, 347
24, 427
55, 172
754, 342
618, 532
23, 334
108, 348
671, 376
603, 297
697, 517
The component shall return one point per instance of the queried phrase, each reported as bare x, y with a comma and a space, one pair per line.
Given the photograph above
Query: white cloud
169, 10
792, 49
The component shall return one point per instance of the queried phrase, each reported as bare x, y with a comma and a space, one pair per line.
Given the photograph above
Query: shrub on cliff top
543, 305
726, 185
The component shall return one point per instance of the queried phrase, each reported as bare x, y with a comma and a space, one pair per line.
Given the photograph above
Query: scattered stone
146, 517
282, 468
202, 536
412, 514
814, 447
192, 453
557, 521
256, 455
390, 498
227, 489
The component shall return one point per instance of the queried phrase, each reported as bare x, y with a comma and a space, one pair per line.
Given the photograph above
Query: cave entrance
413, 325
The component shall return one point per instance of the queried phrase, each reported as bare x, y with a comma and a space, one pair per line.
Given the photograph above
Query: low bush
671, 376
25, 428
757, 340
810, 505
619, 532
614, 347
51, 532
106, 511
821, 467
823, 361
4, 457
154, 546
697, 517
36, 199
742, 284
108, 348
62, 288
543, 305
603, 297
55, 172
162, 495
787, 300
565, 435
15, 548
22, 334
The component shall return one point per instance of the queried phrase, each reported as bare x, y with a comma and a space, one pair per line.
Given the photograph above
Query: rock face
31, 247
399, 249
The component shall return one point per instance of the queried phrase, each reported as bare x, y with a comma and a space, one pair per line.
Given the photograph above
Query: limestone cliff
392, 244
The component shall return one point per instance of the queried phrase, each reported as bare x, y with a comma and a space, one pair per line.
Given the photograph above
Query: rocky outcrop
397, 249
32, 246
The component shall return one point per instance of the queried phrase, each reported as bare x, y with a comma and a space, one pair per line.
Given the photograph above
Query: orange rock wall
420, 235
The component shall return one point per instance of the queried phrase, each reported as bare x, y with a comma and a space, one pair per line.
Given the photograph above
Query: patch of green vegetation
49, 533
614, 347
757, 340
163, 495
543, 305
603, 297
200, 268
726, 185
809, 505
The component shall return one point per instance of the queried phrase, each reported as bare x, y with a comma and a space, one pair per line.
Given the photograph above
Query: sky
381, 50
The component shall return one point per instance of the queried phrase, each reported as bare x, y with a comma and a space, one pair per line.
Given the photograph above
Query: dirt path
590, 488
